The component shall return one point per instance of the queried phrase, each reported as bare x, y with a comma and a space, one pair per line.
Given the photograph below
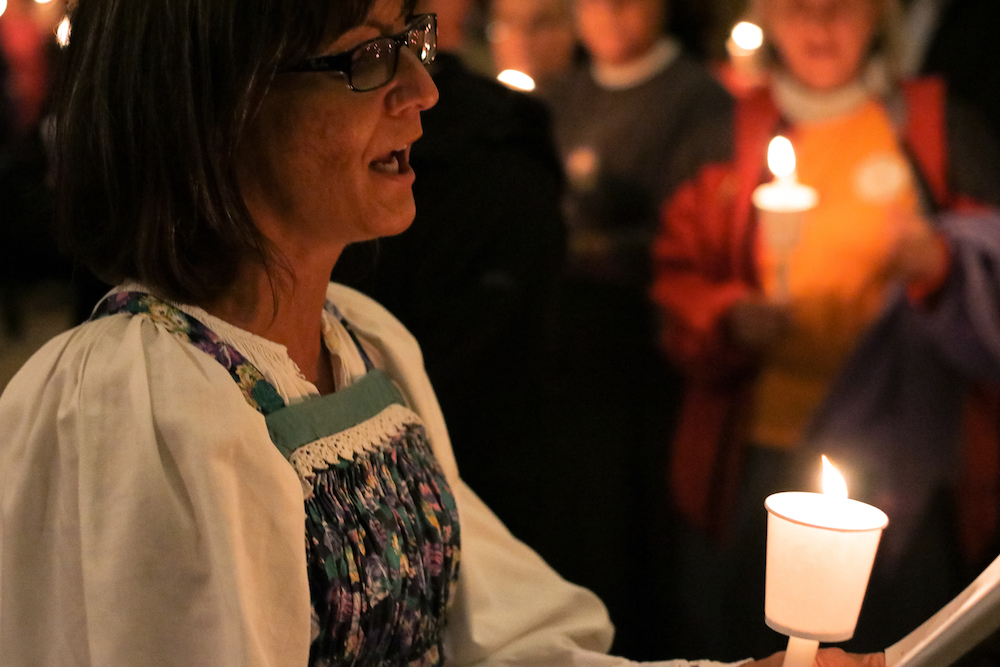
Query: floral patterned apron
381, 529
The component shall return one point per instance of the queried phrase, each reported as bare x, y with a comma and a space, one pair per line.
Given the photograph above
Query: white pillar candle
743, 46
781, 206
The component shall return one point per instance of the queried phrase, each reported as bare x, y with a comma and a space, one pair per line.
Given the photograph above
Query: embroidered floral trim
371, 435
258, 392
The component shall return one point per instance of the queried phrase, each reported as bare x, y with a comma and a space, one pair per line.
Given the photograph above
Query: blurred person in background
632, 121
25, 38
885, 354
535, 37
11, 322
630, 126
28, 253
473, 277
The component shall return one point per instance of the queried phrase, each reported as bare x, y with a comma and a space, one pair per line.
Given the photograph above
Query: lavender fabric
893, 416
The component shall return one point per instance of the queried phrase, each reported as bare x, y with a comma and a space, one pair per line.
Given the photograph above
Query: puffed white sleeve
145, 516
510, 608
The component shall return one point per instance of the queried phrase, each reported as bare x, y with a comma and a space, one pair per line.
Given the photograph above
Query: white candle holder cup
820, 551
781, 212
781, 230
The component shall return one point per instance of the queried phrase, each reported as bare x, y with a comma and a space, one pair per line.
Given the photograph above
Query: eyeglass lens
375, 64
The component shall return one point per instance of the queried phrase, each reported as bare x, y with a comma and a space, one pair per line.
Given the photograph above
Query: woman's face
822, 43
322, 166
532, 36
617, 32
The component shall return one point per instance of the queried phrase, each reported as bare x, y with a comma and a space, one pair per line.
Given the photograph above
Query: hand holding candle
820, 551
781, 206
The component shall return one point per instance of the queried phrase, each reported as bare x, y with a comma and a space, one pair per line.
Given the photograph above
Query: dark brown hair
152, 102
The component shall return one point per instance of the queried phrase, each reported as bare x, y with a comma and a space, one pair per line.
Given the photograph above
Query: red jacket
705, 260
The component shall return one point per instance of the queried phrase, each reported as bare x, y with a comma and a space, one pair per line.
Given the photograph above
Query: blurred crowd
586, 241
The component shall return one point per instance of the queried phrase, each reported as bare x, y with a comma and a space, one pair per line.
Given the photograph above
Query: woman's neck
802, 104
285, 307
636, 72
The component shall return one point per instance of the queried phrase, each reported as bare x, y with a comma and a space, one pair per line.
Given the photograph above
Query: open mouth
396, 163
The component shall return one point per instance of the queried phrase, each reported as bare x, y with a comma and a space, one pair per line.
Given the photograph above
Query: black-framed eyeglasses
372, 64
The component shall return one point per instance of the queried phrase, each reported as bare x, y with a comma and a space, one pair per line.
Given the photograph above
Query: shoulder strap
258, 392
918, 112
333, 310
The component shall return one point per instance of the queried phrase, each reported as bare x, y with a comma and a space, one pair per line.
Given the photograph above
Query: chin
399, 229
610, 53
826, 77
396, 222
830, 84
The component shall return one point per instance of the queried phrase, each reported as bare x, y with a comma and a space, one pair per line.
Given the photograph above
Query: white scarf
621, 77
801, 104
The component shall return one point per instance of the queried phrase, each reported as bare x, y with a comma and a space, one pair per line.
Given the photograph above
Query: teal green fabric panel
301, 423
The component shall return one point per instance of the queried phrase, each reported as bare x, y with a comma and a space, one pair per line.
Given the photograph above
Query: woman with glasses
235, 462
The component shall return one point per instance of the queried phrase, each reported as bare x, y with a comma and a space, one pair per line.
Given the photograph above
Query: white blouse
147, 519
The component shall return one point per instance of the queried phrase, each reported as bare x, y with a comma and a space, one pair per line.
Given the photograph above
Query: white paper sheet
956, 629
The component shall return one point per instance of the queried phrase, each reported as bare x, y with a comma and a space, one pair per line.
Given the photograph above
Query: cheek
333, 136
299, 157
646, 21
782, 34
594, 24
641, 28
856, 39
328, 145
276, 139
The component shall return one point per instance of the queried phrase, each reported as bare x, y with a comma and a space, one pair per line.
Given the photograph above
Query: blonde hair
887, 42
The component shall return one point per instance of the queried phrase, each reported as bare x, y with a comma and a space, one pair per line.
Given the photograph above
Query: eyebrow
381, 27
404, 13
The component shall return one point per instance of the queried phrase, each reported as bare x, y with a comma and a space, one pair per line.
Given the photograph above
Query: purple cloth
892, 419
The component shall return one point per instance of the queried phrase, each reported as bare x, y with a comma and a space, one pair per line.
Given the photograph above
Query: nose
823, 13
414, 89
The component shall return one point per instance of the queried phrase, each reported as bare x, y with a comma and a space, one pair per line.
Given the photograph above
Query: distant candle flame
62, 32
43, 2
781, 157
3, 6
833, 481
515, 79
748, 36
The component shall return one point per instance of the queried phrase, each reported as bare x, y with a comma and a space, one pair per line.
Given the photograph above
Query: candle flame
62, 32
518, 80
781, 157
748, 36
3, 6
833, 481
